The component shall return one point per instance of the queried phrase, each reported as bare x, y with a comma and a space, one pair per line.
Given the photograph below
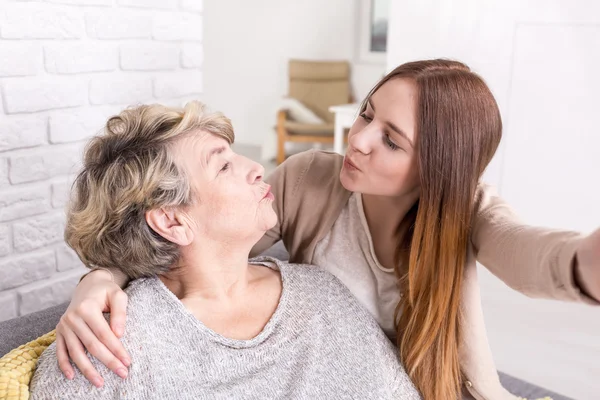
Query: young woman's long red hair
458, 131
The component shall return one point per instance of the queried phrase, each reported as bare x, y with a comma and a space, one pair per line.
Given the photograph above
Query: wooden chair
318, 85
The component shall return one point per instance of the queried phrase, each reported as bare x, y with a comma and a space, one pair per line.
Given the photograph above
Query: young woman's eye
388, 142
225, 167
366, 117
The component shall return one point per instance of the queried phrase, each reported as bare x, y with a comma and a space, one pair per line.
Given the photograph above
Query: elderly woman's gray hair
128, 170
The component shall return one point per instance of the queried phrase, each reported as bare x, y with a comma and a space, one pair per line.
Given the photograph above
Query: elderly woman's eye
225, 167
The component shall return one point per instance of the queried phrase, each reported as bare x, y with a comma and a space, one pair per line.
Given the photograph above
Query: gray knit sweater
319, 344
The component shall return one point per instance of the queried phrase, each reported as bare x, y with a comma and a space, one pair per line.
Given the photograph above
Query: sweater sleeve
537, 262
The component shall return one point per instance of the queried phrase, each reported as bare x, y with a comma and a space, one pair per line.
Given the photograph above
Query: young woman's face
381, 158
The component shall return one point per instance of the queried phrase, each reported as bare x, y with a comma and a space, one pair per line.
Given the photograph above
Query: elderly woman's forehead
205, 136
200, 139
198, 145
196, 134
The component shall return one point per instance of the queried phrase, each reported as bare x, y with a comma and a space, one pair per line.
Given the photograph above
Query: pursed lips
265, 190
352, 164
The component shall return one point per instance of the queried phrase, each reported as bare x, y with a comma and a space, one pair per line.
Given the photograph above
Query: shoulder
327, 292
309, 276
486, 199
142, 288
492, 216
308, 169
323, 170
315, 294
489, 207
48, 382
303, 277
341, 316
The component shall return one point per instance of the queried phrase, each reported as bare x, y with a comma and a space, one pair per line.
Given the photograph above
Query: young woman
401, 220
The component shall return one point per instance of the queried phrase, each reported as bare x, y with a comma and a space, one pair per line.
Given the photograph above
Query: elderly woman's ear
174, 225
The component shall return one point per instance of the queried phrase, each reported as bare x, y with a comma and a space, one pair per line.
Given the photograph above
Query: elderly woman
163, 198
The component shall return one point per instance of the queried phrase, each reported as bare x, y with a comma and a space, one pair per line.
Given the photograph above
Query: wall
540, 58
65, 66
247, 53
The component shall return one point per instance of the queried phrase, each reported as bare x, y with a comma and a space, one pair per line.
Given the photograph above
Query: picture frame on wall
373, 30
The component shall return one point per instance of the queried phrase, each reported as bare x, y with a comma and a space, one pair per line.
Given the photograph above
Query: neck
210, 271
384, 213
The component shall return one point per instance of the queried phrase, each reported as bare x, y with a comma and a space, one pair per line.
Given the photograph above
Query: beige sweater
537, 262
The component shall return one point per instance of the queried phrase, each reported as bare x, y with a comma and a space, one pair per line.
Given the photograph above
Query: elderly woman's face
232, 199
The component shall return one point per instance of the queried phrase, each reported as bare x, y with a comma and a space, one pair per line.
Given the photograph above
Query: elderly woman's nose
256, 173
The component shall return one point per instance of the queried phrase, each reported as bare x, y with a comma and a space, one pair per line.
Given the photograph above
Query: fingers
80, 358
84, 327
95, 342
62, 356
100, 331
118, 309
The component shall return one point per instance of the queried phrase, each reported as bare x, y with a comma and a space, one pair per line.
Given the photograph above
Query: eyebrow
216, 150
394, 127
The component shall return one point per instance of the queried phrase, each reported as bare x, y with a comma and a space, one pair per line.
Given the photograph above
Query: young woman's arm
587, 270
538, 262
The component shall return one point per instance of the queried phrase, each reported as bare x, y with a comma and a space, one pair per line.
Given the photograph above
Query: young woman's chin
349, 182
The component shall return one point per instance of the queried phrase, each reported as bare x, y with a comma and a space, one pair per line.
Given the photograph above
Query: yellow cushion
545, 398
18, 366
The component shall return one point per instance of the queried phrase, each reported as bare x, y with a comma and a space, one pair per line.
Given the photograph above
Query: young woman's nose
362, 141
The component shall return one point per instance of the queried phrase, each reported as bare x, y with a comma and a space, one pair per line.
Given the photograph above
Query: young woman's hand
83, 326
588, 265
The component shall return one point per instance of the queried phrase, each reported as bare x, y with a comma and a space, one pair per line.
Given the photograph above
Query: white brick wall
21, 132
173, 84
5, 240
192, 5
80, 57
147, 3
23, 269
115, 25
8, 306
27, 95
175, 26
3, 172
151, 56
24, 201
20, 59
120, 89
40, 21
75, 125
65, 67
45, 163
192, 56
